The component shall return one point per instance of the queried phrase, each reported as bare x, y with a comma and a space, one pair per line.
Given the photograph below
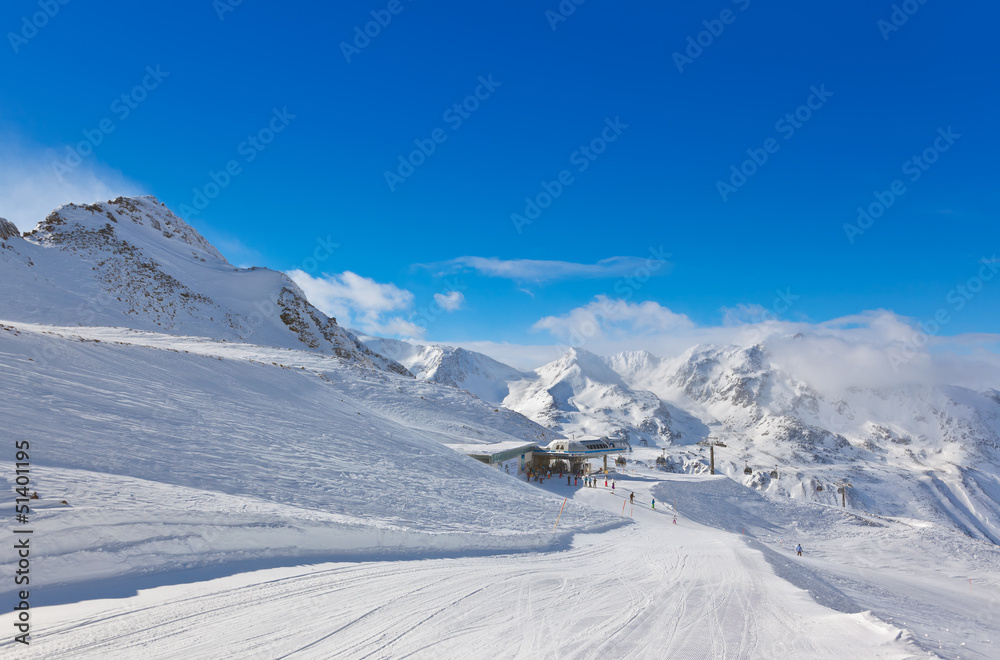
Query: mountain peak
142, 221
581, 362
130, 262
630, 364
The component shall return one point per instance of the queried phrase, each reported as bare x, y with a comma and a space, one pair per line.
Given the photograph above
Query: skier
631, 498
605, 481
654, 502
569, 480
612, 487
798, 549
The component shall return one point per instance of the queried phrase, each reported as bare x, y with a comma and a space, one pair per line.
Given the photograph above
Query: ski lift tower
842, 489
711, 444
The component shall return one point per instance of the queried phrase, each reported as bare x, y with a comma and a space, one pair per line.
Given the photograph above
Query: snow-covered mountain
130, 262
447, 365
579, 393
193, 413
924, 451
740, 391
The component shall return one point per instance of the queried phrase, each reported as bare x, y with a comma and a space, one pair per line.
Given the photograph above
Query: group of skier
592, 481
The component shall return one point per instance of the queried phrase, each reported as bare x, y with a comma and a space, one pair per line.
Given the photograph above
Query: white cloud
537, 270
874, 349
451, 301
742, 314
30, 188
607, 319
358, 301
880, 348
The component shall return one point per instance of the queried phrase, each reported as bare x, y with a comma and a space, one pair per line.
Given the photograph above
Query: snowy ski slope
177, 452
651, 589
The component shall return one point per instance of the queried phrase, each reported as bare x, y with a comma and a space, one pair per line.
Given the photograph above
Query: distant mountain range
915, 451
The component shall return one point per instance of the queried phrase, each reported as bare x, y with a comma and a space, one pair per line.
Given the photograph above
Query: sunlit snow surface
184, 459
223, 471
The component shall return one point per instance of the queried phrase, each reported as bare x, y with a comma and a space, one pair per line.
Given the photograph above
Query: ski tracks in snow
648, 590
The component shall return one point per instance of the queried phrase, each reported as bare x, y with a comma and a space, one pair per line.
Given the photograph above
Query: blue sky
310, 127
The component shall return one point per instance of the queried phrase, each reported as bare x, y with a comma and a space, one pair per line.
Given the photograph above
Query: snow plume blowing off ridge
30, 187
875, 348
884, 350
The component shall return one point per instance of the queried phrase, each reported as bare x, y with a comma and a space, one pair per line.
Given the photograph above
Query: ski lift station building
511, 457
579, 450
515, 458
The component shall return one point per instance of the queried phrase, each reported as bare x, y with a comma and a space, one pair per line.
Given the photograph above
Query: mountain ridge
131, 262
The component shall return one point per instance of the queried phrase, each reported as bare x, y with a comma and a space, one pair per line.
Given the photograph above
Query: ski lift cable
777, 461
773, 473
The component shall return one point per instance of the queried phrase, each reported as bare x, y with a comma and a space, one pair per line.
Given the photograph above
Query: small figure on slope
798, 549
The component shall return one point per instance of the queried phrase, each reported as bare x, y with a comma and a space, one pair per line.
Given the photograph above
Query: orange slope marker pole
623, 508
560, 514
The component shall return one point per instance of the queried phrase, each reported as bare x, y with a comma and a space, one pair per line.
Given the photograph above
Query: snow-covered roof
496, 451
